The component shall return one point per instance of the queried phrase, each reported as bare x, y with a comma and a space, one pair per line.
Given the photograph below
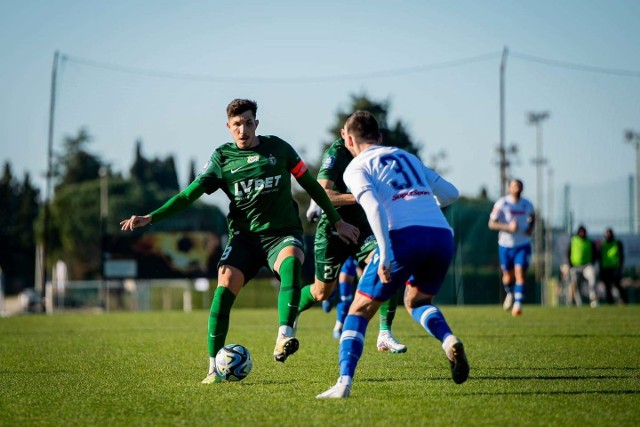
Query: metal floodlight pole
548, 237
536, 119
633, 137
47, 202
502, 148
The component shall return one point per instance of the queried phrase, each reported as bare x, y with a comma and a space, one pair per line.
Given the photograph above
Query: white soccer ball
233, 362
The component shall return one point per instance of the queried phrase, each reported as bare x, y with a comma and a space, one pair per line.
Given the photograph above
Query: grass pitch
552, 366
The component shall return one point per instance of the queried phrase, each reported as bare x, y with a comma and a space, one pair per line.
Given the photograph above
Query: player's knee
322, 291
412, 302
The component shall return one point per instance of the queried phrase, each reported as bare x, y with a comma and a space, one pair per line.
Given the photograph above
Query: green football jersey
258, 183
334, 162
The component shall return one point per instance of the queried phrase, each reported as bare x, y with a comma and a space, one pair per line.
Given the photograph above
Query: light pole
633, 137
104, 215
502, 149
536, 119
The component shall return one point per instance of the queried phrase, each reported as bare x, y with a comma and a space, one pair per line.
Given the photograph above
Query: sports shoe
338, 391
454, 350
508, 302
517, 309
211, 378
285, 347
387, 342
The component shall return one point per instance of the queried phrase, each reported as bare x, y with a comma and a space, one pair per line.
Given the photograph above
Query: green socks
306, 299
388, 312
223, 300
289, 296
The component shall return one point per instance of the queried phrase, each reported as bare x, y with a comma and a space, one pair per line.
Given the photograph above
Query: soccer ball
233, 362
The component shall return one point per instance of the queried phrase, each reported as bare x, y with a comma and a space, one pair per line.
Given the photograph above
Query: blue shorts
349, 267
422, 252
510, 257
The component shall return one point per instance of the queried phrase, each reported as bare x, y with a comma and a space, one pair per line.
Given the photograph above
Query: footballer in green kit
264, 228
331, 252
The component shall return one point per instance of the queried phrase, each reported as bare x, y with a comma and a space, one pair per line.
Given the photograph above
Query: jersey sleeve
210, 178
532, 211
357, 179
445, 192
496, 212
328, 167
295, 165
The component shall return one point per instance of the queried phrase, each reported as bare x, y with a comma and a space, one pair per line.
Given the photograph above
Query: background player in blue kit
514, 217
401, 198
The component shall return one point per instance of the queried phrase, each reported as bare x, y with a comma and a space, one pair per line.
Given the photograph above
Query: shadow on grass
547, 392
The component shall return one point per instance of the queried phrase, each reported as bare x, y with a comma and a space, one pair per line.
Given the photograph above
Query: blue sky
302, 60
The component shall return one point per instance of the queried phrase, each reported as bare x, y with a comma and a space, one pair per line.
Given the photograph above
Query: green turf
552, 366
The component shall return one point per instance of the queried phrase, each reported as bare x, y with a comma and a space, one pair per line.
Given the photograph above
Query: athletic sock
223, 300
519, 293
306, 299
285, 331
507, 288
346, 298
289, 295
432, 320
388, 312
351, 343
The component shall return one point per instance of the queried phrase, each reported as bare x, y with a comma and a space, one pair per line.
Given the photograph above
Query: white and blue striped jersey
410, 193
505, 210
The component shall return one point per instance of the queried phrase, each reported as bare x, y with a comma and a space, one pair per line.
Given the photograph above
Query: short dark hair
519, 181
363, 125
239, 106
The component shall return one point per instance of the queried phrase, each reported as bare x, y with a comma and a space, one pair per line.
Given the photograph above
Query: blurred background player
514, 218
582, 255
611, 264
264, 226
402, 200
331, 253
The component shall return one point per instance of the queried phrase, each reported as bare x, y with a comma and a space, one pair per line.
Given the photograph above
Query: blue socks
519, 293
432, 320
351, 343
346, 297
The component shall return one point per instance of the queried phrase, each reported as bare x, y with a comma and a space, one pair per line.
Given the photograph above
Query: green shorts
331, 252
249, 253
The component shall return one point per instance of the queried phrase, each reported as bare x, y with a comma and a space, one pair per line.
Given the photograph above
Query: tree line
75, 230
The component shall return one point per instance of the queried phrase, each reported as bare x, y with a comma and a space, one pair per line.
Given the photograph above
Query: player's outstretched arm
174, 205
136, 221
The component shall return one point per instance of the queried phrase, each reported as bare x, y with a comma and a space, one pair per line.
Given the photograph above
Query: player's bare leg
507, 282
